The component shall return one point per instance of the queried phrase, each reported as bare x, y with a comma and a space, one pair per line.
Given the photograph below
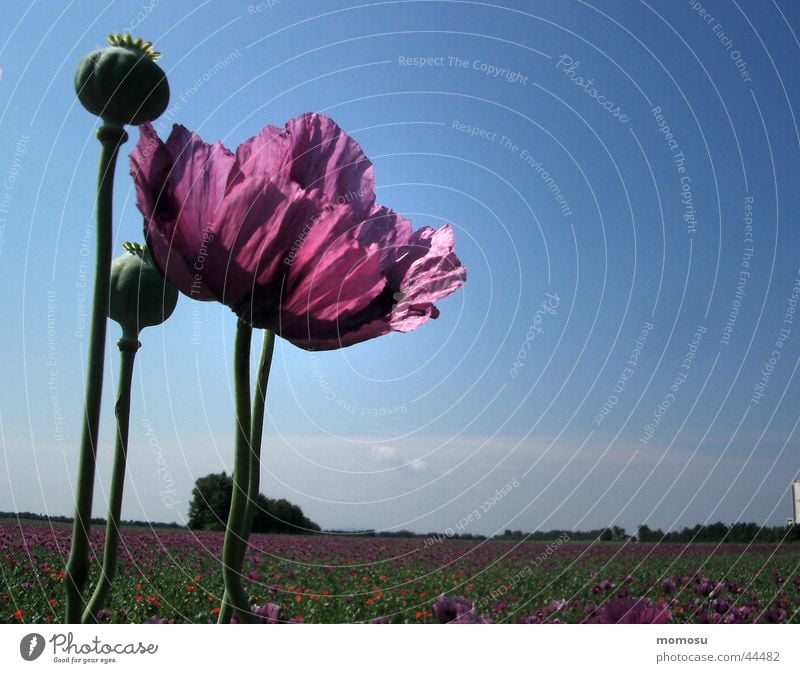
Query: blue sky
622, 178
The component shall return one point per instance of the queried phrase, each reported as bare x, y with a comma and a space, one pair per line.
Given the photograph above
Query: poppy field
173, 576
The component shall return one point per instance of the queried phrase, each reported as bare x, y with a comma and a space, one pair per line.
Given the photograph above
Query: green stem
256, 431
128, 345
257, 427
77, 573
232, 553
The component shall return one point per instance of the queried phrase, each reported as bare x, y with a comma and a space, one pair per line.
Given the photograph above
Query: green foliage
740, 532
211, 501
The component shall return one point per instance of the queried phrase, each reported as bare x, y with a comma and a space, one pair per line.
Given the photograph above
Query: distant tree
211, 501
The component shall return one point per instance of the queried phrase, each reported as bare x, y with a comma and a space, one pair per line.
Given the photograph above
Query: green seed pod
140, 295
122, 83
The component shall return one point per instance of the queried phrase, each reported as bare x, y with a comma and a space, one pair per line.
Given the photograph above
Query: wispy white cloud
383, 453
389, 457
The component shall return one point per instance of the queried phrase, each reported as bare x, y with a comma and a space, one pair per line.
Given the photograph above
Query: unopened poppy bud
122, 83
140, 295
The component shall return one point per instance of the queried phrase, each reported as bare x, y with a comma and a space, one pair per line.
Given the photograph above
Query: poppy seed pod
140, 296
122, 83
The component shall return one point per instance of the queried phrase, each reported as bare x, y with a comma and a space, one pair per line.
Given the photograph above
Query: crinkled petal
266, 155
329, 163
257, 224
313, 153
198, 177
387, 234
333, 286
434, 276
150, 166
343, 282
150, 163
314, 335
418, 267
180, 186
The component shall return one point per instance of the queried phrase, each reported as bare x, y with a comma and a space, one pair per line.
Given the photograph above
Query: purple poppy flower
734, 588
721, 605
448, 608
778, 612
634, 611
499, 607
602, 587
286, 233
457, 610
266, 614
269, 613
704, 588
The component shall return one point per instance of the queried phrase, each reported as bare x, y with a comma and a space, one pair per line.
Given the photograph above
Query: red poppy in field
286, 232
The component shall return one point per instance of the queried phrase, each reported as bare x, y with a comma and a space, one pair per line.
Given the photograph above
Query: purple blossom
602, 587
269, 613
286, 232
634, 611
457, 610
499, 607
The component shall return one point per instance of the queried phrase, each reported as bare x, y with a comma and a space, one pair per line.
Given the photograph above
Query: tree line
96, 521
211, 501
742, 533
721, 532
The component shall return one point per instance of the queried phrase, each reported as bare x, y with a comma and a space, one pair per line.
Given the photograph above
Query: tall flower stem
128, 345
111, 138
232, 550
257, 427
256, 431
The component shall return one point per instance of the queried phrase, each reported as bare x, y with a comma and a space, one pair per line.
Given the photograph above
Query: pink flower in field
286, 232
